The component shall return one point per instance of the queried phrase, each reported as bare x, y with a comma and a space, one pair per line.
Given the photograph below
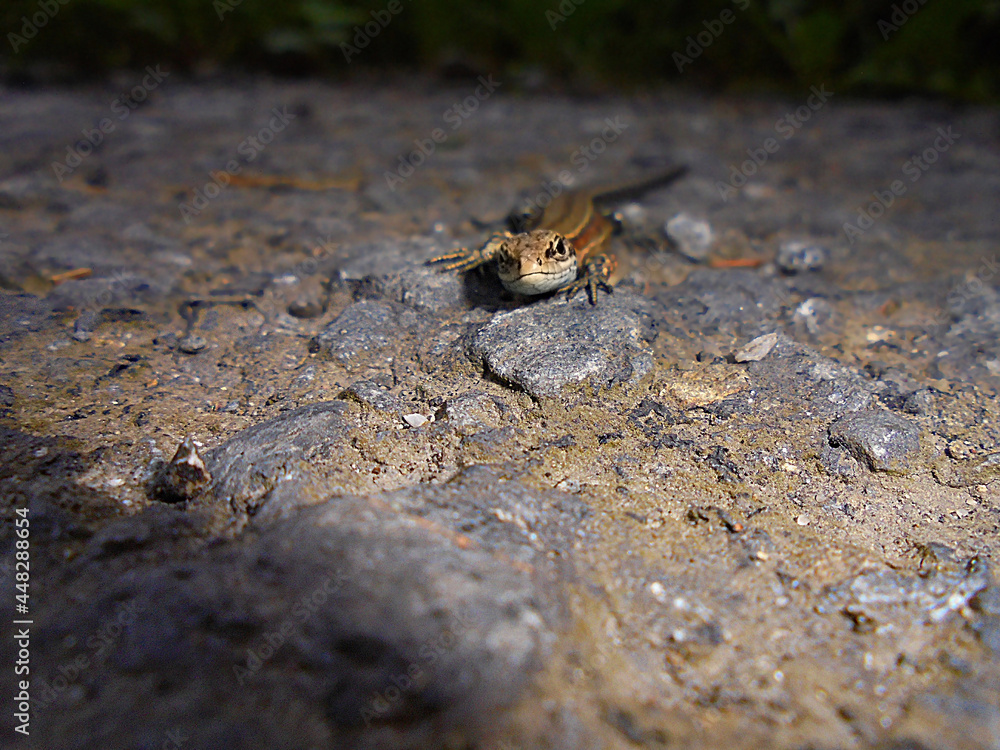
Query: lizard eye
558, 249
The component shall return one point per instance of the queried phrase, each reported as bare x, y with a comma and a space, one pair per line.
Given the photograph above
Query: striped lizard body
563, 247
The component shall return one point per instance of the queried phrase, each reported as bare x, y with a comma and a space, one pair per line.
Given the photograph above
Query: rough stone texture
246, 467
546, 347
609, 530
395, 632
368, 332
371, 394
884, 441
473, 412
802, 384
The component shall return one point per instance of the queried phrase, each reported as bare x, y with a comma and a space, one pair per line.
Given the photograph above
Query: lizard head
536, 262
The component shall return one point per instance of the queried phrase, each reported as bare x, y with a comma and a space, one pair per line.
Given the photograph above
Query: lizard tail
630, 190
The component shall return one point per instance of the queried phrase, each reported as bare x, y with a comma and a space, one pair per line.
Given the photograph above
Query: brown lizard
564, 245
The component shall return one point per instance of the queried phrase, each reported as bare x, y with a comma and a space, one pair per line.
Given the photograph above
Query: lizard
561, 247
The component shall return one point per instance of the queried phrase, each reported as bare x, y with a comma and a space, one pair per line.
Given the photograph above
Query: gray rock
919, 402
121, 288
399, 271
880, 439
472, 412
191, 344
839, 462
84, 326
358, 623
497, 513
23, 314
247, 466
693, 237
371, 394
798, 381
370, 332
738, 302
305, 308
815, 316
796, 255
545, 347
6, 395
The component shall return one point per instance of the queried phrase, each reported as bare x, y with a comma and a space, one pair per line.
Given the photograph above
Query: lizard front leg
596, 274
465, 259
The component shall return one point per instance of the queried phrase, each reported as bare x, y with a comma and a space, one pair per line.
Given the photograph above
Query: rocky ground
750, 499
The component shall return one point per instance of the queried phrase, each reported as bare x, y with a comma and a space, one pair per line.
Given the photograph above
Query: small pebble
816, 315
960, 450
693, 237
882, 440
658, 591
757, 349
84, 325
415, 420
183, 478
192, 344
919, 402
795, 256
371, 394
305, 308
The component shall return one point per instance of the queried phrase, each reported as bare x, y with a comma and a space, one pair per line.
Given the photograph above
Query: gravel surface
289, 486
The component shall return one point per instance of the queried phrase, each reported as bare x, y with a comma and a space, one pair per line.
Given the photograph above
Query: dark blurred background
948, 48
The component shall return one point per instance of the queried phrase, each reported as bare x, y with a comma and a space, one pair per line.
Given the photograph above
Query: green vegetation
942, 47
